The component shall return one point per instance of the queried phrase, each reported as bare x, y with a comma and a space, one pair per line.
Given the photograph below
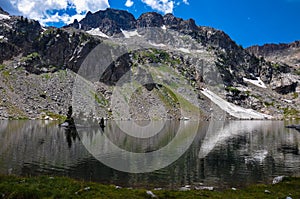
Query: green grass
62, 74
55, 116
100, 99
290, 112
62, 187
15, 112
233, 90
30, 57
167, 96
6, 73
46, 76
156, 55
268, 104
2, 66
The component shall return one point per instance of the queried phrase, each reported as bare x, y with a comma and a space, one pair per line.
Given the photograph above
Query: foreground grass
61, 187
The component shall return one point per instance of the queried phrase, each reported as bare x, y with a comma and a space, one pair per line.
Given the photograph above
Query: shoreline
64, 187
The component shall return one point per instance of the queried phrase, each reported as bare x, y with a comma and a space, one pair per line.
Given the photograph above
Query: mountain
285, 53
3, 12
193, 71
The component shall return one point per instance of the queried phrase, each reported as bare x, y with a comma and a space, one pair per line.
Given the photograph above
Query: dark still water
219, 154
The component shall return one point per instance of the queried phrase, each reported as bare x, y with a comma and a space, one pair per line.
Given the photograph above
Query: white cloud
186, 2
89, 5
129, 3
43, 10
39, 9
165, 6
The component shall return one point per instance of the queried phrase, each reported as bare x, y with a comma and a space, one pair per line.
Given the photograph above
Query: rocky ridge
286, 53
39, 65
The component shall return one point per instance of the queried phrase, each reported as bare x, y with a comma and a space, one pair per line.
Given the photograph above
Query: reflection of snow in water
220, 131
257, 156
269, 149
3, 125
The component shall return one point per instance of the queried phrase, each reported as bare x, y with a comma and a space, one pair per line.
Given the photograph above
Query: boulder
285, 83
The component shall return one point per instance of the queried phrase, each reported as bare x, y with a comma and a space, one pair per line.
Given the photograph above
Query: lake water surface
219, 154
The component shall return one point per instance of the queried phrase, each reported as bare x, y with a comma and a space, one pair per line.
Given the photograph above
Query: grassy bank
60, 187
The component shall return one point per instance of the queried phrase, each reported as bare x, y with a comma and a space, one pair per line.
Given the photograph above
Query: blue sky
248, 22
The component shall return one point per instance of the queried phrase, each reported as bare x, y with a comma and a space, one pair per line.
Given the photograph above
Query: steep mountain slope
285, 53
173, 59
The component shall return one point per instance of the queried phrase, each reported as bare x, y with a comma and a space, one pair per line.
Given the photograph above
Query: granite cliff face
39, 65
284, 57
285, 53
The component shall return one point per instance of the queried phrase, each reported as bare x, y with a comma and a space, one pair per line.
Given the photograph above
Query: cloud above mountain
129, 3
165, 6
61, 12
53, 10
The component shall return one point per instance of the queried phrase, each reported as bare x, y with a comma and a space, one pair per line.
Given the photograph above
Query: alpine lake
221, 154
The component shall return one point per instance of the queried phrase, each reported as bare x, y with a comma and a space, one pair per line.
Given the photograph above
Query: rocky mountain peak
268, 49
3, 12
150, 19
171, 21
201, 53
112, 21
285, 53
109, 21
175, 23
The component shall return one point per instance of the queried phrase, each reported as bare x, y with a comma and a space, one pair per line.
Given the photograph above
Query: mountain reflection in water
222, 154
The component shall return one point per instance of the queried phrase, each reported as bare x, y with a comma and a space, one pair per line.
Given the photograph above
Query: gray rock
184, 189
150, 193
278, 179
267, 191
297, 127
65, 124
285, 83
204, 188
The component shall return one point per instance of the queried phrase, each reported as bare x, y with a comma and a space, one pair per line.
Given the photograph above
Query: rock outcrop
3, 12
285, 83
285, 53
110, 21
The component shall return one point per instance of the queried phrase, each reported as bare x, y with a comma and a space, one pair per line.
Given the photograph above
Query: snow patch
257, 82
185, 50
157, 45
199, 51
128, 34
2, 16
288, 101
164, 27
258, 156
234, 110
2, 38
97, 32
9, 26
